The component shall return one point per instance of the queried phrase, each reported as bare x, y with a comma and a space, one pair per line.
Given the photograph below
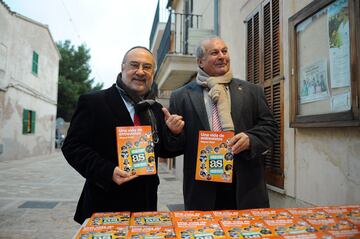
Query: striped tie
216, 124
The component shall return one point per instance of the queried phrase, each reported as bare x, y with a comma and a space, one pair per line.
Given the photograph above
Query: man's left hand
239, 143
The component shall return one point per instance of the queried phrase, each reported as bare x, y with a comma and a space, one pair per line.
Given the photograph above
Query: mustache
139, 78
221, 63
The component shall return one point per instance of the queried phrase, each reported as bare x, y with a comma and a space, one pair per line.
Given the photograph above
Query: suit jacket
90, 148
251, 115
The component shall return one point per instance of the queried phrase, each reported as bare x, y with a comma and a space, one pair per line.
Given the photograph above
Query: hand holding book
239, 143
121, 176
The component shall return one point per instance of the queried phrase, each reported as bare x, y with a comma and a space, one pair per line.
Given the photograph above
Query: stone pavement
38, 197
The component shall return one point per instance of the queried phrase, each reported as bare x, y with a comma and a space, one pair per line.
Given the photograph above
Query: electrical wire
72, 22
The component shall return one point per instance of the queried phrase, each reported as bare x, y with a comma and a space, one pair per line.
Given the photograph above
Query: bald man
90, 146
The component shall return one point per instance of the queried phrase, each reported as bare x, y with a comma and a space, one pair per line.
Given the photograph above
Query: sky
108, 27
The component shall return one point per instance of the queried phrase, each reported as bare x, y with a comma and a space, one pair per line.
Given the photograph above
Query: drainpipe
216, 17
186, 26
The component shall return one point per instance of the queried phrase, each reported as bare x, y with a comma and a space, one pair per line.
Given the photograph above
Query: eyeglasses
134, 65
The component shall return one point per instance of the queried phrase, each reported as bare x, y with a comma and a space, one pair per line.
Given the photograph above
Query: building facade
286, 47
29, 64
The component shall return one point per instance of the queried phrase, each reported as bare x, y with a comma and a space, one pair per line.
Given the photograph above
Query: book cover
109, 218
332, 224
270, 213
353, 213
247, 229
335, 212
136, 149
225, 215
198, 230
349, 212
150, 219
336, 227
343, 234
310, 235
151, 232
303, 213
233, 215
283, 227
109, 231
214, 161
192, 216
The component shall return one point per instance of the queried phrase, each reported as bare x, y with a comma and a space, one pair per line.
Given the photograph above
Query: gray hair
200, 49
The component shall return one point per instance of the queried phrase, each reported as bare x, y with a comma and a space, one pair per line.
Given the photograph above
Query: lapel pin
239, 88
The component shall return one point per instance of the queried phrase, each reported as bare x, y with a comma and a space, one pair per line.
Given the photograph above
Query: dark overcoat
90, 148
251, 115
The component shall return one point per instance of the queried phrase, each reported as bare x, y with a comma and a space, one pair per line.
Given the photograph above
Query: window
28, 121
264, 67
35, 63
325, 80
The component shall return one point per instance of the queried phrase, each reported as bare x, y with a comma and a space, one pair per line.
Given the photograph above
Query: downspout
216, 17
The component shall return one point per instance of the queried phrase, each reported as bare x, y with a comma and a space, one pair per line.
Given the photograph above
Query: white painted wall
17, 144
327, 163
5, 23
205, 8
322, 165
21, 89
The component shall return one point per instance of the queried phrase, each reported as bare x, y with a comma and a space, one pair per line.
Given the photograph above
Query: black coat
251, 115
90, 148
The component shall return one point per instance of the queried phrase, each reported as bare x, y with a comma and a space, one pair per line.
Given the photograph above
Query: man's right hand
174, 122
121, 176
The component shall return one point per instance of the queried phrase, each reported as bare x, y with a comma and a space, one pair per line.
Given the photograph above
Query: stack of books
289, 223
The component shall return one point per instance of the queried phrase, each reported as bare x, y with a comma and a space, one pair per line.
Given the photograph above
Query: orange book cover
109, 231
336, 228
332, 224
109, 218
214, 161
353, 213
150, 219
270, 213
313, 213
192, 216
198, 230
149, 232
282, 227
246, 229
135, 148
335, 211
344, 234
349, 212
233, 215
310, 235
245, 215
226, 215
304, 213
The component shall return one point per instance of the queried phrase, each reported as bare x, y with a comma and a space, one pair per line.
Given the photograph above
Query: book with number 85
135, 147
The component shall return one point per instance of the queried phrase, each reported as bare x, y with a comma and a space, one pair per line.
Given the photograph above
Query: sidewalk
38, 197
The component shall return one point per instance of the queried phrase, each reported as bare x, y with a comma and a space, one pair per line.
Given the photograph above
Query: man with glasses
90, 146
